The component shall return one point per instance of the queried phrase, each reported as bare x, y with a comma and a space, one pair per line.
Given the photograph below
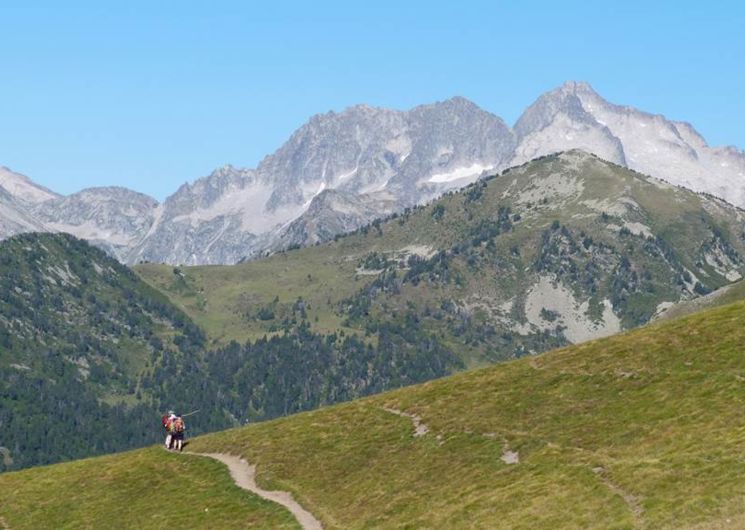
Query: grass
640, 430
140, 489
225, 300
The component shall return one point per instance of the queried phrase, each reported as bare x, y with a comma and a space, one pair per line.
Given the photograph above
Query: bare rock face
23, 189
575, 116
342, 170
558, 121
376, 161
112, 218
17, 196
334, 212
14, 218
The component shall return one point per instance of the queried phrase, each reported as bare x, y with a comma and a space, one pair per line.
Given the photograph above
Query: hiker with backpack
167, 422
178, 428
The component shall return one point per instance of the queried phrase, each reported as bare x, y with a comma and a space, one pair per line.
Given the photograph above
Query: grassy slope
221, 297
643, 429
140, 489
726, 295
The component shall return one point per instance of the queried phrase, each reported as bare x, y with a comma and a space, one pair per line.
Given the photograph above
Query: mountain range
560, 250
341, 170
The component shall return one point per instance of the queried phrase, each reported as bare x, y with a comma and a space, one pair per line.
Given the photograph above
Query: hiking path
244, 476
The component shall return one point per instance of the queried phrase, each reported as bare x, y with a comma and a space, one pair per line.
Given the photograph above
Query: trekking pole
192, 412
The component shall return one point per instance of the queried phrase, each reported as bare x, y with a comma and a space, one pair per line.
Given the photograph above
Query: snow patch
459, 173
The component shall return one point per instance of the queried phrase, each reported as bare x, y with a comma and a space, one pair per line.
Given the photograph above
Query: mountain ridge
378, 161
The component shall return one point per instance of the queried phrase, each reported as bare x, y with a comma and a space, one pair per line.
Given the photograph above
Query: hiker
178, 427
167, 422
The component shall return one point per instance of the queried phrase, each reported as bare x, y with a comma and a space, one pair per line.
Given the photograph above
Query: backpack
168, 422
165, 420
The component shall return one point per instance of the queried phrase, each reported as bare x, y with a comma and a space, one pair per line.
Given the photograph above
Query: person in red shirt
167, 422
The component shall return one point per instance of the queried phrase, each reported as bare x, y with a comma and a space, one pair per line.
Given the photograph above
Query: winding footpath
244, 476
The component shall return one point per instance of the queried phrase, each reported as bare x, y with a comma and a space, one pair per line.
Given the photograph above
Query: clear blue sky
151, 94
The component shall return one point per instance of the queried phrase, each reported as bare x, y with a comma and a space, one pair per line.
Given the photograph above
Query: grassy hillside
728, 294
640, 430
644, 429
562, 249
140, 489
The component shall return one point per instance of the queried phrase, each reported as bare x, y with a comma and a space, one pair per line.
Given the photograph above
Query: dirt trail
420, 429
244, 476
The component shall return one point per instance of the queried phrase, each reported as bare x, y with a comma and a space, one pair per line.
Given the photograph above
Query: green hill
639, 430
147, 488
562, 249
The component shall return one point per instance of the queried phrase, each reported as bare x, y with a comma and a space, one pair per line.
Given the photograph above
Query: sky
149, 95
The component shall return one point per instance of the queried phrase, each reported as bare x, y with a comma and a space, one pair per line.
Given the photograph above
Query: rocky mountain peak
565, 100
23, 188
113, 193
578, 87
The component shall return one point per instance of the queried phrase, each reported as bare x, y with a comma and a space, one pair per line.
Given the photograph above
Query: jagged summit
578, 86
23, 188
